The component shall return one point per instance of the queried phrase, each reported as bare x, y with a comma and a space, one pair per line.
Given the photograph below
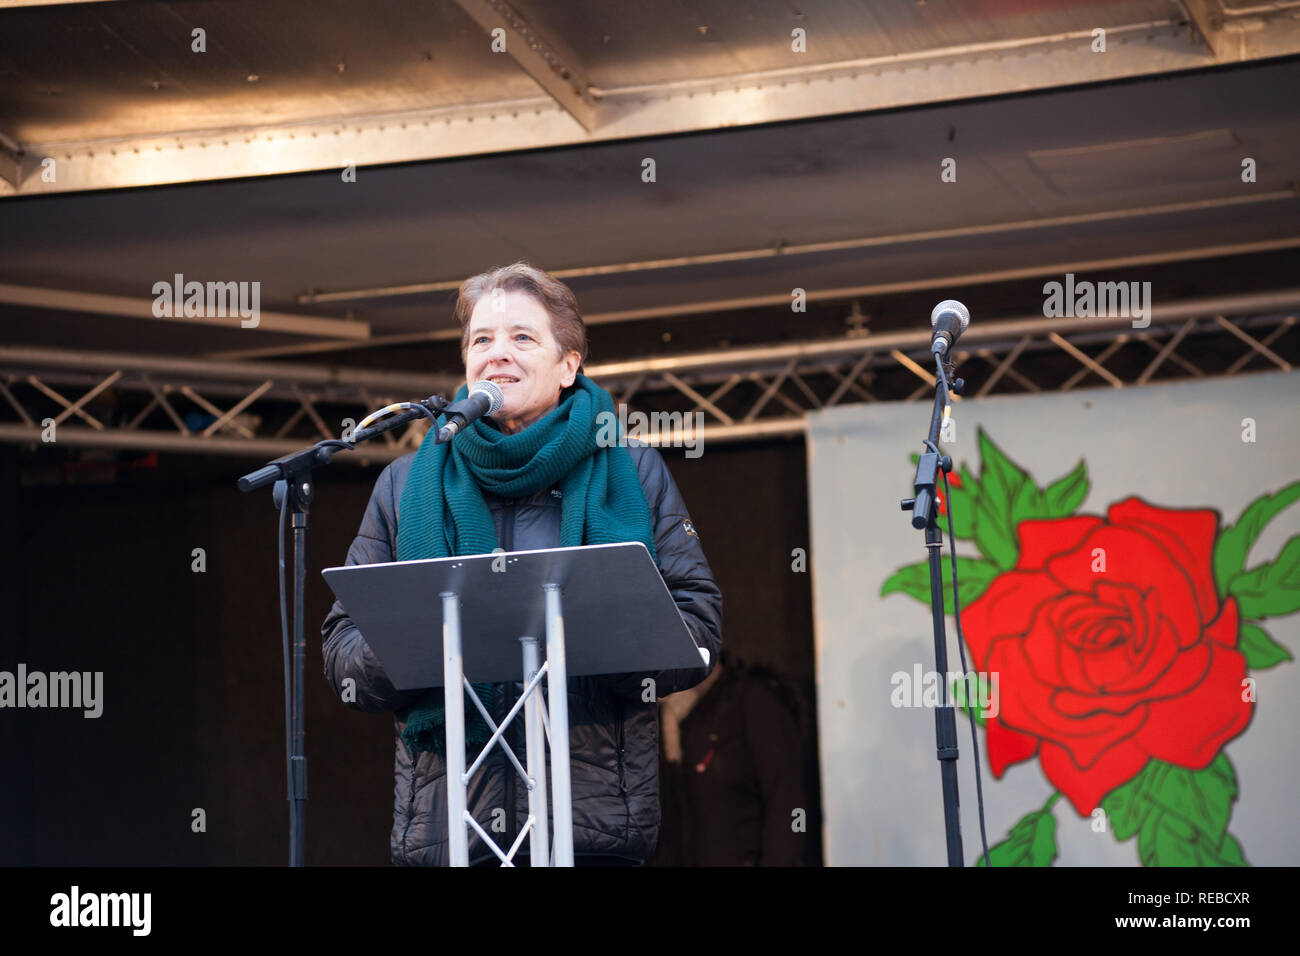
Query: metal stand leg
558, 684
539, 840
454, 701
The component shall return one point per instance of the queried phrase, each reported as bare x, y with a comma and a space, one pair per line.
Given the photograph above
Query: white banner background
1175, 446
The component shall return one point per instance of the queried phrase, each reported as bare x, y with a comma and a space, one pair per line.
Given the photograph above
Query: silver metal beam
45, 3
1009, 330
1269, 339
95, 304
87, 368
262, 448
317, 377
842, 293
1240, 32
554, 69
786, 251
1089, 363
1255, 345
11, 165
1206, 17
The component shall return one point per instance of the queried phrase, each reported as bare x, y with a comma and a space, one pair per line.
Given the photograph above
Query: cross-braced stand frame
537, 730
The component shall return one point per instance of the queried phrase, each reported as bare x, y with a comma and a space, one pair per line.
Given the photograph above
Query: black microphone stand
924, 515
293, 490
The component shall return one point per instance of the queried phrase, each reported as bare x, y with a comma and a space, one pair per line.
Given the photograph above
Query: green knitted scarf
443, 512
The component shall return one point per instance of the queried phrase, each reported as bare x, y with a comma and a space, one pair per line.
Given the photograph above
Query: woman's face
511, 344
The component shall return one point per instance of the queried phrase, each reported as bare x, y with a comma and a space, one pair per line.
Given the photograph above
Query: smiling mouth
502, 379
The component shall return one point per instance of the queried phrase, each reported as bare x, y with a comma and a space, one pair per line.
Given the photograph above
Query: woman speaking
533, 476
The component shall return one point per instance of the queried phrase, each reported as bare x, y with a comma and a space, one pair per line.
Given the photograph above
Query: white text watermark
662, 429
210, 300
71, 689
1087, 300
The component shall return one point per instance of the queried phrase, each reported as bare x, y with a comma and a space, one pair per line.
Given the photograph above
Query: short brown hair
554, 296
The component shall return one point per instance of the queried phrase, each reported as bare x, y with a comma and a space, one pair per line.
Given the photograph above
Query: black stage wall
96, 575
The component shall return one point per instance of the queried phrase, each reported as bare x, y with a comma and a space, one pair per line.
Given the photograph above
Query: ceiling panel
628, 44
873, 177
117, 95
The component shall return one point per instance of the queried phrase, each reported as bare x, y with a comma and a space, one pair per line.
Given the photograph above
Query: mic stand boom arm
305, 459
293, 490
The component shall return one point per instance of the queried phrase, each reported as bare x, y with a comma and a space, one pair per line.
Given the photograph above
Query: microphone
484, 398
949, 319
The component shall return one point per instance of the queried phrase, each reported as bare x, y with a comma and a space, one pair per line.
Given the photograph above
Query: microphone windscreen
953, 307
493, 392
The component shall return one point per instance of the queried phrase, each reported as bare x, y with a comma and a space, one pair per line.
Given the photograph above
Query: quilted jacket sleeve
685, 571
350, 665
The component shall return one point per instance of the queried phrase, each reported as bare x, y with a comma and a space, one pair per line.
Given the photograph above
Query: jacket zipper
410, 808
622, 777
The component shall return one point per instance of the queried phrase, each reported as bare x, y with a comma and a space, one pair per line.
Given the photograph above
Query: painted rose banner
1122, 647
1119, 619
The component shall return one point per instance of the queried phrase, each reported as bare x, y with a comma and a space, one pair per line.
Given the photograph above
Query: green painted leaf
1066, 494
994, 534
1007, 495
961, 505
1028, 502
973, 575
1147, 839
1002, 485
1127, 806
1167, 840
1234, 543
999, 475
1262, 652
1031, 842
1200, 798
966, 500
1273, 589
1230, 853
1180, 816
983, 692
1005, 488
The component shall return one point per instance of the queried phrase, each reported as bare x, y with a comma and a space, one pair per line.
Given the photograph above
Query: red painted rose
1100, 670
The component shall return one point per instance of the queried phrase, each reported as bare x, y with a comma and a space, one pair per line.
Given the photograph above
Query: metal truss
766, 392
756, 392
169, 404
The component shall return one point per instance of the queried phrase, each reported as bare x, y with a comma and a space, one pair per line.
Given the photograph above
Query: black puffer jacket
614, 734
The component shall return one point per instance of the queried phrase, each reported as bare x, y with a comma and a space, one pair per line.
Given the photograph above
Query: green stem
1050, 800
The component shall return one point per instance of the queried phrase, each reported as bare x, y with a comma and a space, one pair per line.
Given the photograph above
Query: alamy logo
930, 689
59, 689
1087, 300
663, 429
208, 301
75, 908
